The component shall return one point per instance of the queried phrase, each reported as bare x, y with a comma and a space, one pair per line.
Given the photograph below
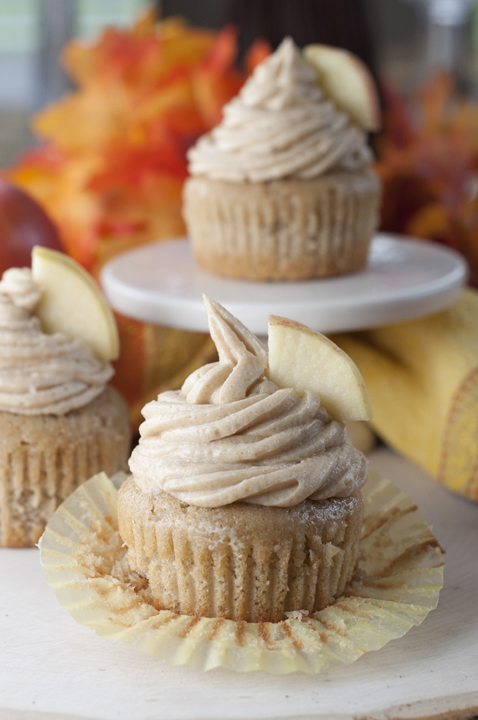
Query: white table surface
53, 668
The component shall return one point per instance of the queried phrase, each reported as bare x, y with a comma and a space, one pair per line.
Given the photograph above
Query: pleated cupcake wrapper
397, 583
33, 482
251, 576
292, 230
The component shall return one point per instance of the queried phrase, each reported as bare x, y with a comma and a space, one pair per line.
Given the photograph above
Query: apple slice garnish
72, 303
307, 360
348, 83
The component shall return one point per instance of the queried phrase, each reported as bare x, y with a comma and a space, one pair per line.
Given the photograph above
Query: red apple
23, 224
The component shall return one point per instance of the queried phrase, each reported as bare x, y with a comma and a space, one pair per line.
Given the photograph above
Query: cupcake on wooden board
283, 188
59, 422
244, 502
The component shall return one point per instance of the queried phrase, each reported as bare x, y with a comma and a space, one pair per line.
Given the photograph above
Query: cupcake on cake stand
404, 279
295, 133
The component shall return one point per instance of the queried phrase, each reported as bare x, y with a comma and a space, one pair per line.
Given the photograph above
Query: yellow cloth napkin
422, 377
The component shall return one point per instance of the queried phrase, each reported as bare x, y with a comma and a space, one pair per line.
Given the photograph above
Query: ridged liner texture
43, 459
397, 583
284, 229
241, 562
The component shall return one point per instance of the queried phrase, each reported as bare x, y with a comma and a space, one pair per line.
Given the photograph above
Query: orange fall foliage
113, 159
112, 163
428, 161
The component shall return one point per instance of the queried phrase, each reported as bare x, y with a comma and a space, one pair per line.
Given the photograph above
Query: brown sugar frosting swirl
230, 434
281, 125
41, 374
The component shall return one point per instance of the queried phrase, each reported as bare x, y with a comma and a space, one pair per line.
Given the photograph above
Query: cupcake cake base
43, 458
283, 229
240, 561
396, 584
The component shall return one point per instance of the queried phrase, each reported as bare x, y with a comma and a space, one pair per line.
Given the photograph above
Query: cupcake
59, 423
283, 188
244, 501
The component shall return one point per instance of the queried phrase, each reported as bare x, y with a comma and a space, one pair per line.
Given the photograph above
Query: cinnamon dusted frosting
230, 434
281, 125
41, 373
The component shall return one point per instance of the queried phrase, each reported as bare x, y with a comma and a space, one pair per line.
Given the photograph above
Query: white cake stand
405, 279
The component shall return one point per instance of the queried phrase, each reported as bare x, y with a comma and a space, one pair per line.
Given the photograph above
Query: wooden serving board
52, 668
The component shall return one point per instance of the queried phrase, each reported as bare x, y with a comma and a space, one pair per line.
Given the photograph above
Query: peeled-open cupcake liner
397, 583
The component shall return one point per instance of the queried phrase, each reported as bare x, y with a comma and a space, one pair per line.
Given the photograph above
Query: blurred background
99, 141
401, 39
100, 100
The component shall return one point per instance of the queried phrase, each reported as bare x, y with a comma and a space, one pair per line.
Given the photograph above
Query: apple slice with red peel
348, 83
306, 360
72, 303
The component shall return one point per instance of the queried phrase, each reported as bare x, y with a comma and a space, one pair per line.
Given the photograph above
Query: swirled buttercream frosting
281, 125
41, 374
230, 434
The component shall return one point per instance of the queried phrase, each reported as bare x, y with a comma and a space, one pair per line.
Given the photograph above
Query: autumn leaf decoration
113, 159
112, 162
428, 161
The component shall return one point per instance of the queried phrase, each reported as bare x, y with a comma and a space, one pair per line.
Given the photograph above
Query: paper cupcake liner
256, 570
283, 229
43, 459
397, 583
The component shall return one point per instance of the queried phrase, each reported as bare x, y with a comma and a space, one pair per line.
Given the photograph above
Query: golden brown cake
43, 458
59, 424
245, 498
240, 561
283, 229
283, 188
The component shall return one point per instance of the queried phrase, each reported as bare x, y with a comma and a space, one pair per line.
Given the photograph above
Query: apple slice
306, 360
72, 303
348, 82
361, 436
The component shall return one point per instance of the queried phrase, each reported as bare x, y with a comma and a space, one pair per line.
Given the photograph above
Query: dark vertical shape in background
204, 13
57, 24
342, 23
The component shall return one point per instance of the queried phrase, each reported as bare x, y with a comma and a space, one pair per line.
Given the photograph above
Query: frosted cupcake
244, 501
59, 423
283, 188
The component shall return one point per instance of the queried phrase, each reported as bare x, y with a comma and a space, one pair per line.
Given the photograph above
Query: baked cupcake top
230, 434
281, 125
41, 374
